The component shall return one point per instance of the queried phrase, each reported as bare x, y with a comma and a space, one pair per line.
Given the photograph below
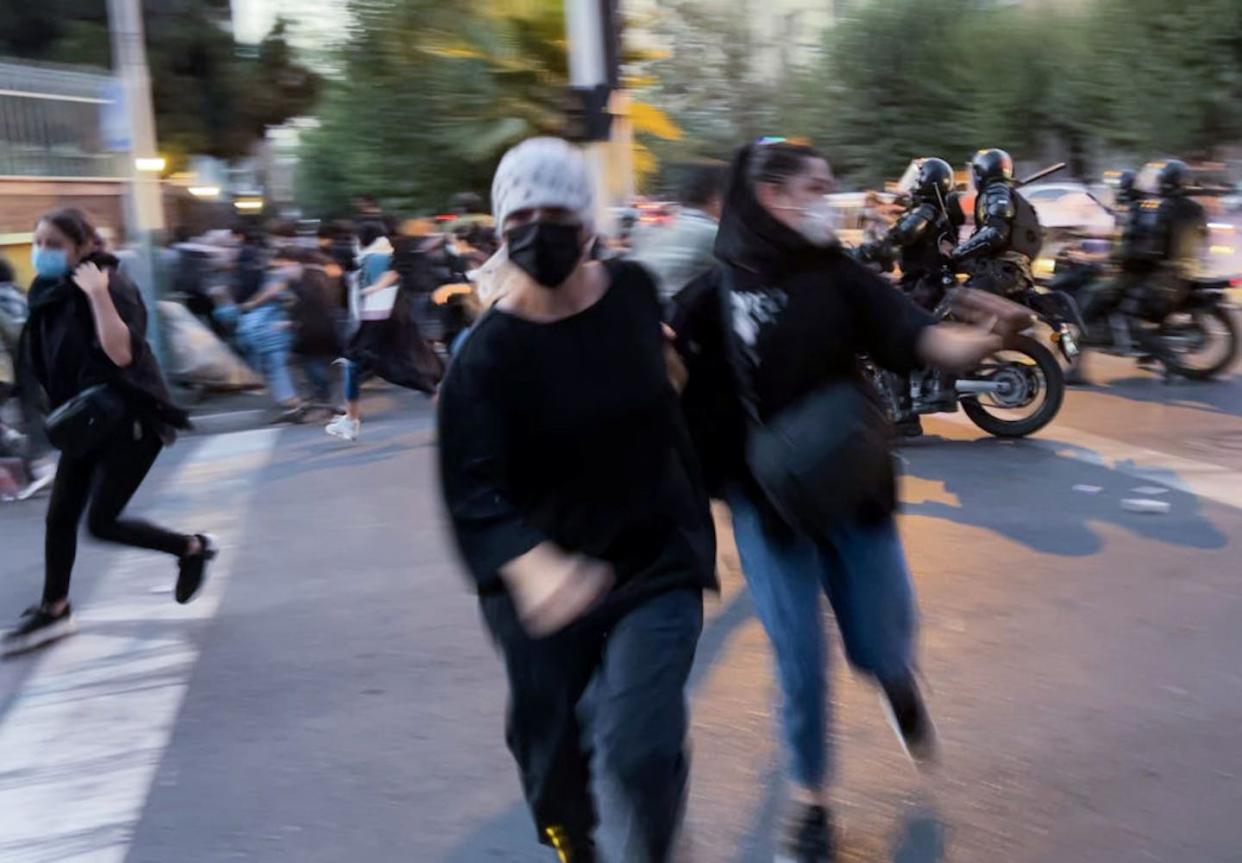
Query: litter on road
1145, 505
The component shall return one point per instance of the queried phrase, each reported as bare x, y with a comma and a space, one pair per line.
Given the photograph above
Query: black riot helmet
1125, 186
1171, 178
991, 166
934, 183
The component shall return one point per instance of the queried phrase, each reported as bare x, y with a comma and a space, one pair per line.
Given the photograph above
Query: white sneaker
344, 428
44, 475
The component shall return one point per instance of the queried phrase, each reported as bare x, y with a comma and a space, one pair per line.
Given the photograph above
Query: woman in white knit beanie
576, 503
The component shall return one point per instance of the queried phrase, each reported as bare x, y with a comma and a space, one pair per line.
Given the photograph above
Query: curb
229, 421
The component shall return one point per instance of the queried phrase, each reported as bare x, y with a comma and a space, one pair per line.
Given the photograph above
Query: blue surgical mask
49, 263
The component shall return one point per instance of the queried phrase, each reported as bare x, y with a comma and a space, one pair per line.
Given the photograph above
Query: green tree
709, 81
431, 94
209, 98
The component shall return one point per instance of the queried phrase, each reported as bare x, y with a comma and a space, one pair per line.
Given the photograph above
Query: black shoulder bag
822, 460
87, 421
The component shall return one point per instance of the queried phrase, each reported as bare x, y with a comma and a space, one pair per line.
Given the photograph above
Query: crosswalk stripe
81, 743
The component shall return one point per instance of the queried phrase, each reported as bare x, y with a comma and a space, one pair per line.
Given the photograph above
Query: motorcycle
1014, 393
1196, 339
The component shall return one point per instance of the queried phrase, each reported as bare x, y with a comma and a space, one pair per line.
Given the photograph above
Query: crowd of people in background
311, 309
359, 295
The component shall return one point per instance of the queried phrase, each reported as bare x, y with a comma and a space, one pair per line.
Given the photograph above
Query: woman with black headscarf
85, 345
788, 435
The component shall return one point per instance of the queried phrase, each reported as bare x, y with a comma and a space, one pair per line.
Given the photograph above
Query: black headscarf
749, 236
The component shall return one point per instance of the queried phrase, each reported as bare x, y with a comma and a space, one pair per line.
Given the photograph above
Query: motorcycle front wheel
1032, 390
1200, 344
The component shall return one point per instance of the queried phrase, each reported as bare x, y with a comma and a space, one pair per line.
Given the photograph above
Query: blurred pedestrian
263, 328
25, 441
336, 241
250, 265
676, 254
316, 339
86, 345
577, 504
791, 438
388, 342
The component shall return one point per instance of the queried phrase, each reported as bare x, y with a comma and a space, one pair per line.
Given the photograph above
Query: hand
92, 280
551, 588
678, 375
957, 347
990, 312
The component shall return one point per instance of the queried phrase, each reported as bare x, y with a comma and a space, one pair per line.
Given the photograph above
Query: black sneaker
907, 712
35, 628
808, 837
193, 567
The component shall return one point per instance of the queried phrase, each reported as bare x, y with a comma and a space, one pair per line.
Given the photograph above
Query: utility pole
144, 205
589, 67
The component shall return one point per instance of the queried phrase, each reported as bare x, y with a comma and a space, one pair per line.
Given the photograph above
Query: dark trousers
635, 663
107, 480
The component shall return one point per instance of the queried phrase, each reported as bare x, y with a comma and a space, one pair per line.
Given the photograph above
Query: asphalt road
333, 697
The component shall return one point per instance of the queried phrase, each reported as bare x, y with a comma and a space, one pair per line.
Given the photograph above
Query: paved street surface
333, 698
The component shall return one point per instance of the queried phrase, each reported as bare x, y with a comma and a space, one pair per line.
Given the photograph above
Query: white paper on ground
1145, 505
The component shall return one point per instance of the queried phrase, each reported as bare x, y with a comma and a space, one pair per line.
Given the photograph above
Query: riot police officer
1098, 300
1161, 251
1007, 235
918, 241
1173, 228
1161, 243
919, 237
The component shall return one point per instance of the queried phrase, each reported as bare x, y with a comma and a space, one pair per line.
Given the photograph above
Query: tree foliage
902, 78
432, 92
210, 98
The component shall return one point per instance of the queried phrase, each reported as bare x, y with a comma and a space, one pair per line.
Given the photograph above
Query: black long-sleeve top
571, 432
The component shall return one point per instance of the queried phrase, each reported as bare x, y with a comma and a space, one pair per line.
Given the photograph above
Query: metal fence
52, 121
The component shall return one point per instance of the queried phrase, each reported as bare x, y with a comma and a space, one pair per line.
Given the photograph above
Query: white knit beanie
543, 172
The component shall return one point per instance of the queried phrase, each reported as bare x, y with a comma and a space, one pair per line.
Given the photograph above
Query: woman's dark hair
74, 224
6, 271
776, 163
371, 231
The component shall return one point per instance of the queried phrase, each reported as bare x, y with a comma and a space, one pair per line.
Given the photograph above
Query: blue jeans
318, 377
862, 571
353, 381
266, 340
274, 366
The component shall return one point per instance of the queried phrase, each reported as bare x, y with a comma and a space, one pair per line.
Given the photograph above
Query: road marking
1192, 476
83, 739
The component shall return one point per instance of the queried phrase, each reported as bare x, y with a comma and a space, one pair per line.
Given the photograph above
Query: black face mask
547, 252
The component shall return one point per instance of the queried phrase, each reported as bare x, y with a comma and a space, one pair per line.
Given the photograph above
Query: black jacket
61, 350
792, 318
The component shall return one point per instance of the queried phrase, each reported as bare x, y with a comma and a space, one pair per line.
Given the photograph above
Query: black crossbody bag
87, 421
822, 460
